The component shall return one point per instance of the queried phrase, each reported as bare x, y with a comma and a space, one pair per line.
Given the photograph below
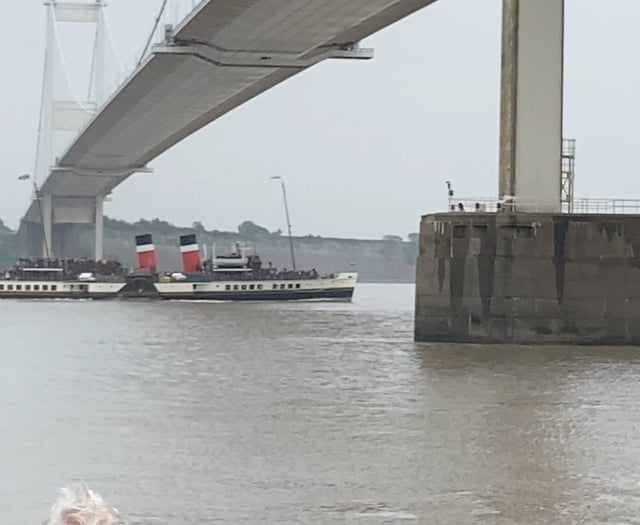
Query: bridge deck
224, 54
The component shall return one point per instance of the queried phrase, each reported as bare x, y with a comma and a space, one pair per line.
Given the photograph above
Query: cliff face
389, 260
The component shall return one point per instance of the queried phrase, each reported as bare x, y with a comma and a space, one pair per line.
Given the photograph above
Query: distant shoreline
389, 260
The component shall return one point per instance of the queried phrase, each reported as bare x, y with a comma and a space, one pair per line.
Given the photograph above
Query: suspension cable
64, 63
93, 66
107, 25
41, 118
34, 177
153, 31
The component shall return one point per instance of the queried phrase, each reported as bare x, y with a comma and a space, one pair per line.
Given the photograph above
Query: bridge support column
99, 228
46, 207
532, 104
528, 278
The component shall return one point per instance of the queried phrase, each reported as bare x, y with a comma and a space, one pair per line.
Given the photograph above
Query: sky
365, 147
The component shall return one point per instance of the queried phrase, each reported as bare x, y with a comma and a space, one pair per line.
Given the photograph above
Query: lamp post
449, 193
286, 210
37, 196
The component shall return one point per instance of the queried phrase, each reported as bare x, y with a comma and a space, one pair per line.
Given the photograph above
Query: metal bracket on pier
263, 59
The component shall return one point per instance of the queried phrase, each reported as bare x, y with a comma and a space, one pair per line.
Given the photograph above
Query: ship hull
329, 295
337, 288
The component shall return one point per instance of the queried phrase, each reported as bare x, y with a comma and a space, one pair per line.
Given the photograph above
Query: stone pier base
528, 278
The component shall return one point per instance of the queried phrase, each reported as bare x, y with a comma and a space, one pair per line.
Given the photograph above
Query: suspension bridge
524, 272
221, 54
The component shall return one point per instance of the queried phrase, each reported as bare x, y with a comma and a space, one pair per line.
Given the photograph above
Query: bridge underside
224, 54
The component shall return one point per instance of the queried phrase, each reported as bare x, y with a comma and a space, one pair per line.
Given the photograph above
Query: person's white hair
77, 505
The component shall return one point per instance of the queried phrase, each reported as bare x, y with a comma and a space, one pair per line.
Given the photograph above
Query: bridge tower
70, 113
535, 271
531, 116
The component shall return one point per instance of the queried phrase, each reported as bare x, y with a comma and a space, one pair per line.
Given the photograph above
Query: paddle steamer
236, 276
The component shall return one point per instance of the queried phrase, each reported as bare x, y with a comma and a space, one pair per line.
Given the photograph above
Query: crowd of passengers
287, 274
70, 268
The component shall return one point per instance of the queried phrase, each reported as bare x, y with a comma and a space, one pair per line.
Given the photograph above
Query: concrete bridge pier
79, 211
529, 273
29, 242
531, 112
64, 227
74, 214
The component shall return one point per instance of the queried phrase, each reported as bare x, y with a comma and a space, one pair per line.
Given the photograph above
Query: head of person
77, 505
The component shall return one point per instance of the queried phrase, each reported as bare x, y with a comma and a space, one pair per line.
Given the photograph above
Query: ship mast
286, 211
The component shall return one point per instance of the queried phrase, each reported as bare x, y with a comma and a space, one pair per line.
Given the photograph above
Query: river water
201, 413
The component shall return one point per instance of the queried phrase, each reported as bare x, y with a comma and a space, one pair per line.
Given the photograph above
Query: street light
449, 193
36, 192
286, 211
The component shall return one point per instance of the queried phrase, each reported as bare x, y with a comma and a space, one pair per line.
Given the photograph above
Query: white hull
339, 287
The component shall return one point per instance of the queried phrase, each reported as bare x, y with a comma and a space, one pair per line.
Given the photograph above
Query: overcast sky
365, 147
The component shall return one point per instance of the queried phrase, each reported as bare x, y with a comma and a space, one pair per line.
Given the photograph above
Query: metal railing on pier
577, 207
611, 206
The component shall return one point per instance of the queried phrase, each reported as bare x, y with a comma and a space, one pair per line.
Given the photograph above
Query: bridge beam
262, 59
532, 104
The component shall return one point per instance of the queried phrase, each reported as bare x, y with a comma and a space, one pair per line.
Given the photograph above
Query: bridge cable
34, 178
114, 48
153, 31
93, 66
64, 63
47, 57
